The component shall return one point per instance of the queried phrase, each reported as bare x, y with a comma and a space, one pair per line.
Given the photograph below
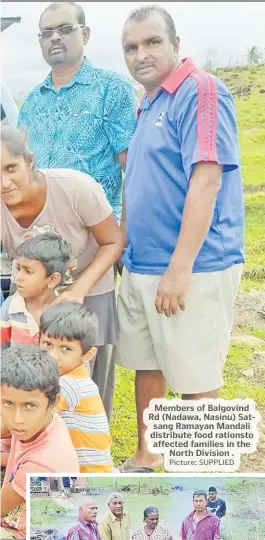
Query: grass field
247, 86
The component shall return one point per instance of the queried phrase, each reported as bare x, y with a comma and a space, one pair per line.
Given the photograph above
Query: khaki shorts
190, 348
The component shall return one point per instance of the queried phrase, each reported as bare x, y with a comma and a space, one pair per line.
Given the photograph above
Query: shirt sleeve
223, 509
74, 535
105, 530
90, 201
217, 529
5, 325
183, 531
69, 394
19, 481
120, 114
207, 131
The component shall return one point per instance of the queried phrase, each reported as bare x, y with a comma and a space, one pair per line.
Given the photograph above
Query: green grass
124, 427
254, 273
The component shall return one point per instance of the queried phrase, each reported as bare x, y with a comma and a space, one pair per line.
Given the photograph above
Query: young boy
68, 332
42, 263
40, 440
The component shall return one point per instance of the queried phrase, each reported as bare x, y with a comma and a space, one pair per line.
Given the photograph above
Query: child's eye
30, 406
7, 403
66, 349
46, 344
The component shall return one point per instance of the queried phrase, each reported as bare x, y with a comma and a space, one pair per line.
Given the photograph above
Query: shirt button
58, 98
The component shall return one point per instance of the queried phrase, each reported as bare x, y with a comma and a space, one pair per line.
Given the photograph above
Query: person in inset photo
216, 505
86, 527
200, 523
116, 524
151, 527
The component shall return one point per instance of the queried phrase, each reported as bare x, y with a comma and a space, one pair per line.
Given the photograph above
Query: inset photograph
143, 507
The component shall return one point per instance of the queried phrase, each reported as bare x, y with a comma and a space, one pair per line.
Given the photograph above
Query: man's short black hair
71, 321
50, 249
27, 367
212, 488
80, 14
200, 492
142, 13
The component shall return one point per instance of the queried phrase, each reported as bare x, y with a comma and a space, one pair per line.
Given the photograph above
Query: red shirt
84, 531
208, 528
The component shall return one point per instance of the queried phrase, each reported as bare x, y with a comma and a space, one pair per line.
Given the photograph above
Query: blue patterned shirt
83, 126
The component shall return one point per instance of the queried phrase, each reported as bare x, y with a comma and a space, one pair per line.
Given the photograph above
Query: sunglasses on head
62, 30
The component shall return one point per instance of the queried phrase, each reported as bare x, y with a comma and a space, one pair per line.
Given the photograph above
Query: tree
254, 55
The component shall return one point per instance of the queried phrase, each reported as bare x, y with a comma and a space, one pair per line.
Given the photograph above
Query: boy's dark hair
48, 248
212, 489
27, 367
70, 320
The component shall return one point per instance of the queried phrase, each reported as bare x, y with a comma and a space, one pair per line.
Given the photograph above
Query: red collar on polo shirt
176, 78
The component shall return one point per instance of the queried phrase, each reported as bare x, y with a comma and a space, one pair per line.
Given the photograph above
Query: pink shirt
84, 531
43, 455
208, 528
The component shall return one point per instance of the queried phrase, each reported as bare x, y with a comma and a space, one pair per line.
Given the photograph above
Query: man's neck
152, 92
62, 75
119, 518
199, 515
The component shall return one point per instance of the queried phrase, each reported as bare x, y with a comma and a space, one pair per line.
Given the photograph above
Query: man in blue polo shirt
184, 217
82, 118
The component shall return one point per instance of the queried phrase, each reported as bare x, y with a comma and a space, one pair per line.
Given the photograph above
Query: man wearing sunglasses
82, 118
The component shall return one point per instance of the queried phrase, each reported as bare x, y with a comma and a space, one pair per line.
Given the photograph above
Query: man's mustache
143, 65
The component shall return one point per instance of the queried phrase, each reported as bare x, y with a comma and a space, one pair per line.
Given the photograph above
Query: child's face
25, 413
67, 353
31, 278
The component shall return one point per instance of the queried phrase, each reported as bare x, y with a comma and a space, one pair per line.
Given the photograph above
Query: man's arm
206, 154
105, 530
10, 499
197, 217
223, 509
120, 116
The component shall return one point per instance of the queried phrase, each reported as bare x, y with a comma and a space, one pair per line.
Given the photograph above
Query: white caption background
203, 435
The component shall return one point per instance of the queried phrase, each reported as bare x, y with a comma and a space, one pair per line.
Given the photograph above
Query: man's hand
71, 294
172, 291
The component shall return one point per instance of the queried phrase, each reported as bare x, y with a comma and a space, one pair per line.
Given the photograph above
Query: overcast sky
228, 28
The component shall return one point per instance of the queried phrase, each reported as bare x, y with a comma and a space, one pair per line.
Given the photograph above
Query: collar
83, 76
208, 514
113, 518
172, 83
178, 76
18, 305
93, 525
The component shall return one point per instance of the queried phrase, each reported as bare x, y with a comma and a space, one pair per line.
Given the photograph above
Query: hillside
248, 87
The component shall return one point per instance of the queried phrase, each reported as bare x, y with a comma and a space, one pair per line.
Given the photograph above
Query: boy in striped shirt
68, 332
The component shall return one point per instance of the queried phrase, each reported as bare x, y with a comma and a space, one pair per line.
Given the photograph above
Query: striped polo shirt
18, 327
83, 412
191, 120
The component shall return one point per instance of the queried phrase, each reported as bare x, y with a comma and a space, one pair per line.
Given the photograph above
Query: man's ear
176, 45
54, 280
86, 34
90, 355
